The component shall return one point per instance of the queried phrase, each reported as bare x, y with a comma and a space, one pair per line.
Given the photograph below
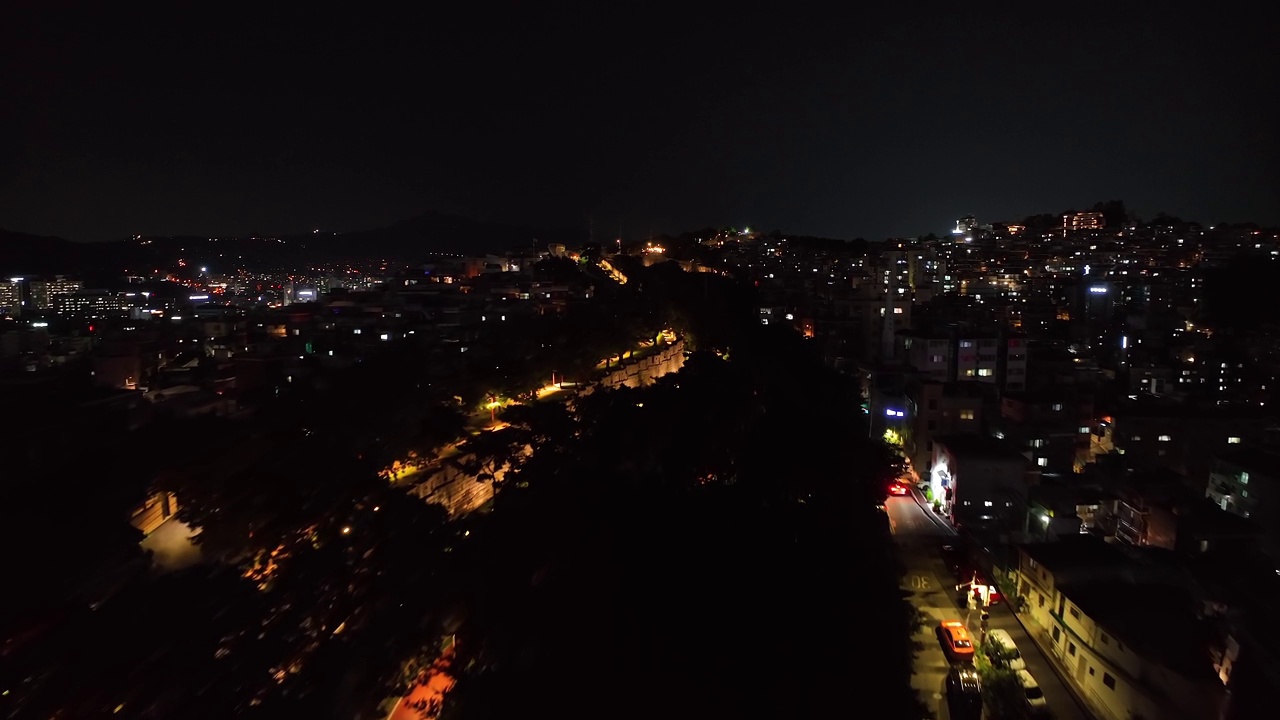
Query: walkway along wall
459, 492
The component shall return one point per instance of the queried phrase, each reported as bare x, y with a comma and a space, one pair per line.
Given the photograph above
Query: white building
1133, 649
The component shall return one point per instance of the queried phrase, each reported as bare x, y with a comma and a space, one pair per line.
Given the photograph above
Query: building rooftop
1204, 519
1063, 394
1157, 622
975, 445
1077, 552
1157, 486
938, 330
1151, 406
954, 388
1253, 459
1063, 498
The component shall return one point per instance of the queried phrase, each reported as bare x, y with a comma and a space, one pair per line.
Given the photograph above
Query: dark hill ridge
408, 240
24, 254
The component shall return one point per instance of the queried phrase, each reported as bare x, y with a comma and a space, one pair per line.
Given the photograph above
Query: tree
488, 453
557, 270
540, 422
1002, 692
1113, 213
1003, 696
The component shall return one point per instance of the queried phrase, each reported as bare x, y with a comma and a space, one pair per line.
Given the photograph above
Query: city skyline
340, 482
201, 124
458, 362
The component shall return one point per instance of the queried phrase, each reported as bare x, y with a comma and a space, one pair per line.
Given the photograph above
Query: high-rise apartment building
43, 292
11, 297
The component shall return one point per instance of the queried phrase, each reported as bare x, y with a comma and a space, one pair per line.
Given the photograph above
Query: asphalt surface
920, 535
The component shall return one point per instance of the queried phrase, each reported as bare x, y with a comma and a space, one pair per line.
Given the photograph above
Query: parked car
1031, 689
1008, 652
964, 693
955, 640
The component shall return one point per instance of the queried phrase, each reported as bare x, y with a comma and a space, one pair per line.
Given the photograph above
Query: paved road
920, 535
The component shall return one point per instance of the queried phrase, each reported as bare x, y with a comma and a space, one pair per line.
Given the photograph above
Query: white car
1009, 649
1034, 695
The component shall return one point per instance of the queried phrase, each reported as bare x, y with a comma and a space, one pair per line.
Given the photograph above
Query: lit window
1244, 478
985, 372
1057, 407
1164, 438
1042, 461
1233, 440
987, 503
966, 414
1084, 429
1136, 438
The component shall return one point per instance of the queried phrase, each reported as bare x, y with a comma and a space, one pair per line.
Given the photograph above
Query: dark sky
835, 122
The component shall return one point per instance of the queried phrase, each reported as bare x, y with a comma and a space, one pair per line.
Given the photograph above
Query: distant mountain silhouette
25, 254
409, 240
439, 233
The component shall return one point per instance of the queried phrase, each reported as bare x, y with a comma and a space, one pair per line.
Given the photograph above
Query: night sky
645, 116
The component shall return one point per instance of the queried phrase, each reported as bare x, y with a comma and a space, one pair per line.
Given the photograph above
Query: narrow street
920, 536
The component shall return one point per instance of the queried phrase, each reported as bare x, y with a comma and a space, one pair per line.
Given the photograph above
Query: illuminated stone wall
455, 489
643, 371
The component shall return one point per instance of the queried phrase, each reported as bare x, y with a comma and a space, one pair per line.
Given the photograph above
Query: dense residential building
980, 481
1246, 482
1183, 438
1053, 427
935, 409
